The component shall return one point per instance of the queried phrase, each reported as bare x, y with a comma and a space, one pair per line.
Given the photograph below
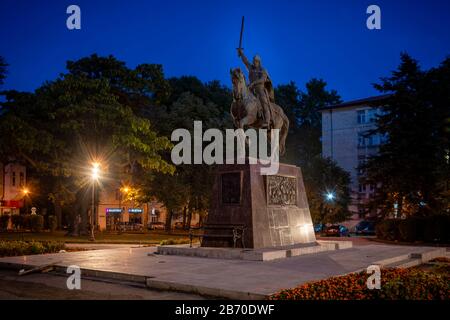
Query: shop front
113, 218
121, 219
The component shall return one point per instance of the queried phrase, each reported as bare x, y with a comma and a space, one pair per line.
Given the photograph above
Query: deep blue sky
297, 40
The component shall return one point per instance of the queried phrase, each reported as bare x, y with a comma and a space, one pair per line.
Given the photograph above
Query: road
53, 287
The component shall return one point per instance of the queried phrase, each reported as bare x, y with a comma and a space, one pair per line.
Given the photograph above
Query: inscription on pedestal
231, 188
281, 190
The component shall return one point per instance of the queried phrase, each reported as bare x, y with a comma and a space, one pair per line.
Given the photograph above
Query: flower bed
396, 284
19, 248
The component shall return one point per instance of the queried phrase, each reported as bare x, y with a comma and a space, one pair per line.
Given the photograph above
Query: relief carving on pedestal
281, 190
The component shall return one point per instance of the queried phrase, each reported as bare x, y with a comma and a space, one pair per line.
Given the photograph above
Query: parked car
344, 232
337, 231
319, 227
157, 226
365, 227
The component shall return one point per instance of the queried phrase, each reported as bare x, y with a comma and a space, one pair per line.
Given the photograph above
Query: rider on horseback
260, 85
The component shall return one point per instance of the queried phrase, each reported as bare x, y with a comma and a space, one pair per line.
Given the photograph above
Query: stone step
412, 259
254, 254
407, 263
393, 260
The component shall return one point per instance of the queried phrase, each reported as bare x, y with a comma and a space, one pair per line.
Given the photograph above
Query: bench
237, 233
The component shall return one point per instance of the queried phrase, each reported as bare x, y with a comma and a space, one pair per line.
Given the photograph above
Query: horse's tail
284, 129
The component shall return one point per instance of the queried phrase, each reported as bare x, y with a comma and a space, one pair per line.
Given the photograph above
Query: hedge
18, 221
388, 229
4, 219
396, 284
36, 223
436, 229
19, 248
429, 229
411, 229
52, 223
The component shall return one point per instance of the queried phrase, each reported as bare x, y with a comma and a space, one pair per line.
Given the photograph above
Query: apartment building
345, 139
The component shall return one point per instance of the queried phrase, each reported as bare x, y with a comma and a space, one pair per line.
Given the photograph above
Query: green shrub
388, 229
36, 223
173, 241
36, 248
19, 248
52, 223
53, 246
4, 220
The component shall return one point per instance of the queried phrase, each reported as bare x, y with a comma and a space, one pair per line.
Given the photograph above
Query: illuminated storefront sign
135, 210
113, 210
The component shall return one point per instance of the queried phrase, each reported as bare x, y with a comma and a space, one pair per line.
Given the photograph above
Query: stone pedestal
273, 210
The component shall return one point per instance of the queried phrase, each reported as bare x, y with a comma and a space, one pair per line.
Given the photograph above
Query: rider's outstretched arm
244, 60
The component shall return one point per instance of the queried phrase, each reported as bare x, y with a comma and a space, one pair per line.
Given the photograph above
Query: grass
124, 238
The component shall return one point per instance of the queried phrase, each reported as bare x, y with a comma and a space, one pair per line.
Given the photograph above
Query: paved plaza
224, 277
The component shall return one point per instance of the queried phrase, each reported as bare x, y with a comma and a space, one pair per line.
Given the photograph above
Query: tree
140, 88
171, 190
70, 122
3, 66
193, 182
411, 170
304, 149
323, 177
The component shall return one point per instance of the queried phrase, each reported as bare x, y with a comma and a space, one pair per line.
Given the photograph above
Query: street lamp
25, 192
330, 196
95, 174
125, 191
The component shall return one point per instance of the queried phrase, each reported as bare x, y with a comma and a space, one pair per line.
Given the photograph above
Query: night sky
297, 40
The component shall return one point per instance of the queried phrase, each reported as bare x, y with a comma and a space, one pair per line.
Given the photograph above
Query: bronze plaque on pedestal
231, 188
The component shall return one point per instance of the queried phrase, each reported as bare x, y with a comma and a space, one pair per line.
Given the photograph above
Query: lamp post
329, 197
25, 192
94, 175
124, 191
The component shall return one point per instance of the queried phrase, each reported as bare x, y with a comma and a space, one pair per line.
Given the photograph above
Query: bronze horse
245, 109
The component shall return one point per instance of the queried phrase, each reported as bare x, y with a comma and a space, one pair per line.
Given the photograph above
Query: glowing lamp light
330, 196
25, 191
95, 170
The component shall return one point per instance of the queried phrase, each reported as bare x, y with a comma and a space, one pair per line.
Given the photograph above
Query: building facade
13, 178
345, 140
115, 210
